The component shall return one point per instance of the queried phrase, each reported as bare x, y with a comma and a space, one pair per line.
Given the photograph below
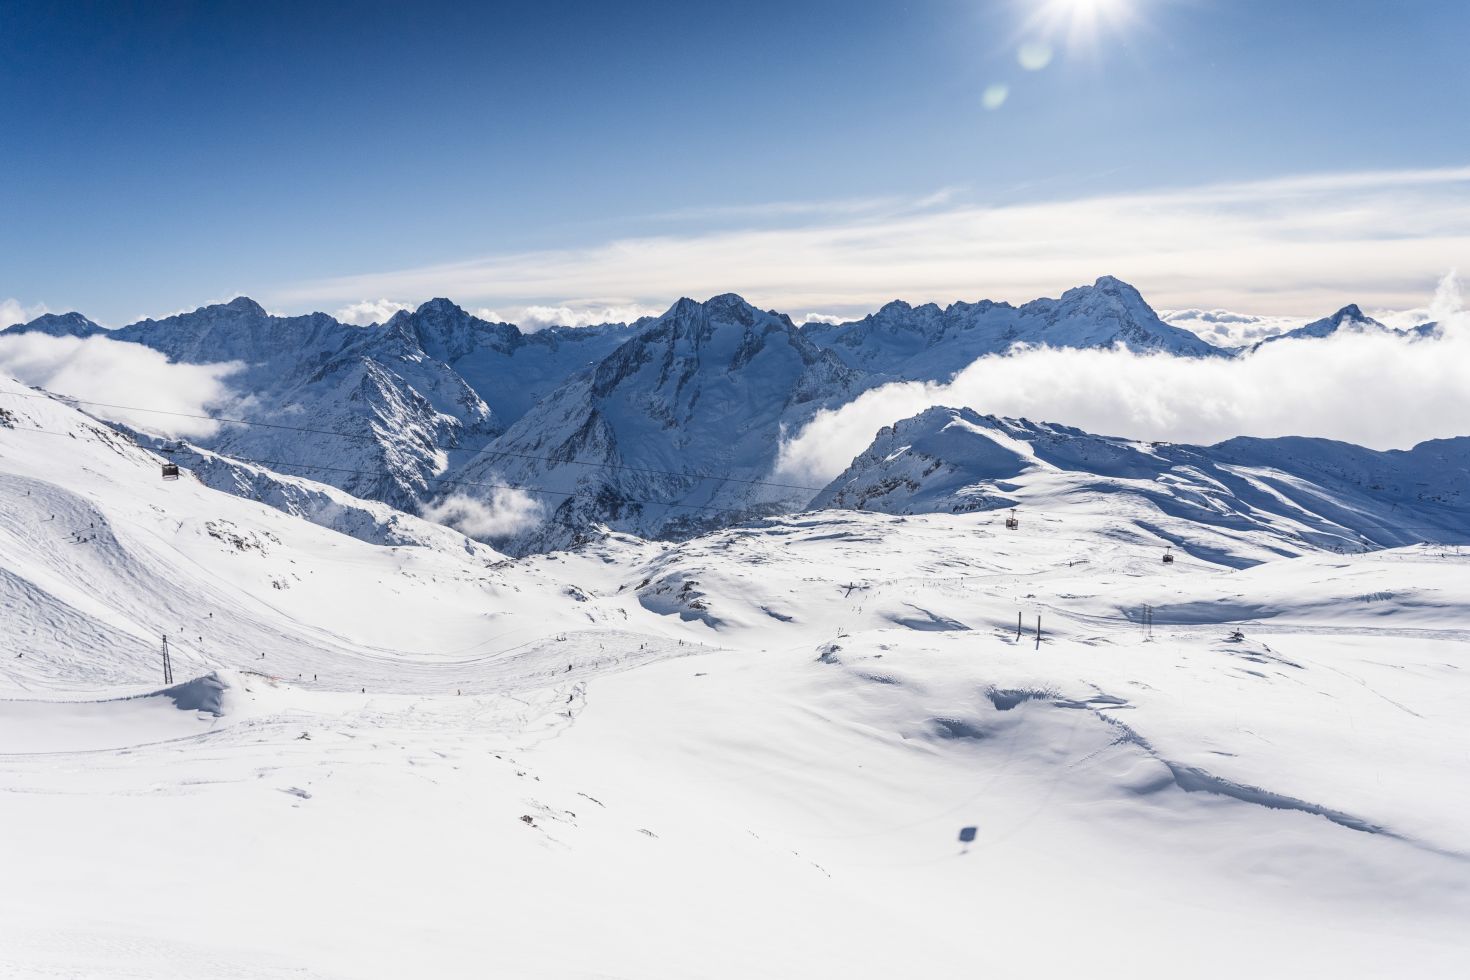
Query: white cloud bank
507, 511
1301, 246
103, 370
1369, 388
1224, 328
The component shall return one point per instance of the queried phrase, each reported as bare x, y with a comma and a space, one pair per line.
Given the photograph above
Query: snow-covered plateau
952, 714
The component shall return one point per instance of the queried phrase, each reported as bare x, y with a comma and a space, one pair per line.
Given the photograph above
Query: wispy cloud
507, 511
1300, 246
1367, 387
368, 311
867, 206
14, 311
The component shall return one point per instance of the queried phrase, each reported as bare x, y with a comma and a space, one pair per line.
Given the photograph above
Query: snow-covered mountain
58, 325
367, 410
1349, 318
1286, 496
666, 434
511, 370
932, 344
663, 427
374, 410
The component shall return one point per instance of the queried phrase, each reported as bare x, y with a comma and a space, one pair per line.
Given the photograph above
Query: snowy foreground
749, 755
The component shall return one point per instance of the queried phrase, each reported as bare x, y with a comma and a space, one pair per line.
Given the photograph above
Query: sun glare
1081, 21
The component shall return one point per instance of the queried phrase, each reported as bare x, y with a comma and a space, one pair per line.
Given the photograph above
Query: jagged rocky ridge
660, 428
927, 343
667, 435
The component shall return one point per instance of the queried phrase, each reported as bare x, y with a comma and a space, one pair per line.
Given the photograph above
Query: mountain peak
1349, 312
243, 304
59, 325
441, 306
727, 299
1111, 287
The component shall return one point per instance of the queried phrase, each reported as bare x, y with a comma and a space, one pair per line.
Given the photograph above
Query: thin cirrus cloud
1297, 246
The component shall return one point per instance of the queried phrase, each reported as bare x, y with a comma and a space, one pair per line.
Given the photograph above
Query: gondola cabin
1169, 556
170, 471
1011, 522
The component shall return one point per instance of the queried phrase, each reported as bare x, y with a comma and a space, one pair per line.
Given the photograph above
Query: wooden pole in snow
1038, 632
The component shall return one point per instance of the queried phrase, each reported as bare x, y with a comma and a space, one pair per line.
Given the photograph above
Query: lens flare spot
995, 96
1034, 55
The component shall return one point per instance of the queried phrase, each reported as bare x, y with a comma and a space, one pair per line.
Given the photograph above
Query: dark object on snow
170, 471
967, 835
1236, 636
526, 819
1012, 522
1169, 555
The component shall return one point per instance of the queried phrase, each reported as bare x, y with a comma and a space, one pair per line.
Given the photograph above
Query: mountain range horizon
76, 323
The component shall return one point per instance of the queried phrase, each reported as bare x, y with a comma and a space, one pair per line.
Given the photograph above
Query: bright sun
1083, 20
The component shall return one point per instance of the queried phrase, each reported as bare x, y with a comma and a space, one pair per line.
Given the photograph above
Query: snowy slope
102, 557
927, 343
666, 434
749, 754
1239, 502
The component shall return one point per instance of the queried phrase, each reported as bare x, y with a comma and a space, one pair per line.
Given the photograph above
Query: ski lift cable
448, 449
1236, 523
381, 473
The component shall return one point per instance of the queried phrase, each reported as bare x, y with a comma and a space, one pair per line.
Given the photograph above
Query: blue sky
817, 156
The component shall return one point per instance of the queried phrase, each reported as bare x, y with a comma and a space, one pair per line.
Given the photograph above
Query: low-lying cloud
1371, 388
101, 370
505, 512
1224, 328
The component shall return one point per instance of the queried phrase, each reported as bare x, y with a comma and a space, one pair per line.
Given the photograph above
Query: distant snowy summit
58, 325
930, 344
1346, 320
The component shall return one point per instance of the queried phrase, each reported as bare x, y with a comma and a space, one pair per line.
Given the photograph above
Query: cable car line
1237, 523
204, 454
448, 449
